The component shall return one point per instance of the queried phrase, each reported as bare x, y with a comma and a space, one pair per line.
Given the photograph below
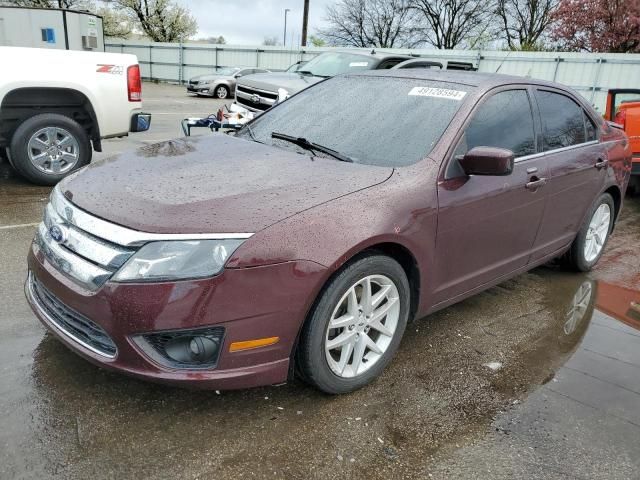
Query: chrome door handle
535, 184
600, 164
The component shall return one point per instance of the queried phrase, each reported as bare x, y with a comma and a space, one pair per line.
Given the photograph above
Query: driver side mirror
487, 161
237, 75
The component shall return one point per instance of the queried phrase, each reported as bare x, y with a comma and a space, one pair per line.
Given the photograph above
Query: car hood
208, 78
212, 184
271, 82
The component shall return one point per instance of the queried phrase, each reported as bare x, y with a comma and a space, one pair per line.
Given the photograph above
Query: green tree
317, 41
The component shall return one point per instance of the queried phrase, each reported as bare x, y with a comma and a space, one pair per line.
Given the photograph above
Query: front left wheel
221, 92
356, 325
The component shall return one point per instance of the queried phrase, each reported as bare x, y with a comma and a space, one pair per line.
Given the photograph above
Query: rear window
381, 121
562, 120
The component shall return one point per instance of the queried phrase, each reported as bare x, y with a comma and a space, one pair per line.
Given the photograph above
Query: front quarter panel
403, 210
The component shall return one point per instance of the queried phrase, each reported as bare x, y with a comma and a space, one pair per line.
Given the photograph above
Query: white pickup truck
54, 104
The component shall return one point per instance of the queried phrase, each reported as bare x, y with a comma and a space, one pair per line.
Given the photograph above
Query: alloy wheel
598, 231
362, 326
221, 92
53, 150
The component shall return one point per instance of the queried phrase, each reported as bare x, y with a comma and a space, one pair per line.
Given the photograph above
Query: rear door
487, 225
577, 168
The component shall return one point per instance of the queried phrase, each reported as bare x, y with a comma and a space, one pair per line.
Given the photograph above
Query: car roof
376, 55
483, 81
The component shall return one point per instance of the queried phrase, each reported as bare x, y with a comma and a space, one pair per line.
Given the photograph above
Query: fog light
183, 348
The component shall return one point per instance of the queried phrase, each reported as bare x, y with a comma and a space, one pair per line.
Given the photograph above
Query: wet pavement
561, 401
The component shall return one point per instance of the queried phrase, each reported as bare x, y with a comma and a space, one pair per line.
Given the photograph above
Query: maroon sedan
311, 237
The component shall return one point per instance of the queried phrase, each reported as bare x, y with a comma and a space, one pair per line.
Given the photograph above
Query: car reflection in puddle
587, 410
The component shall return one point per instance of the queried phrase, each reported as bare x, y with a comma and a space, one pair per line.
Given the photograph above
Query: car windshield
385, 121
331, 64
226, 71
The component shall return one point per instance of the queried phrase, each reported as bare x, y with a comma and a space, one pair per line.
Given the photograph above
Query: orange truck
623, 108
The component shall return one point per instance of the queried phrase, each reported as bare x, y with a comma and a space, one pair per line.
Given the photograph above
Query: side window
504, 120
590, 128
562, 120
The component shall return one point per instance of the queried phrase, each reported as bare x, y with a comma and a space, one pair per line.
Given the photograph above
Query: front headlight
177, 260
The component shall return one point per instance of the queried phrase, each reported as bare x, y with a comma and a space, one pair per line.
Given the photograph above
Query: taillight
134, 84
621, 118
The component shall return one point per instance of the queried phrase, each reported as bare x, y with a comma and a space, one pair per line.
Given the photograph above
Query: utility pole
305, 21
284, 37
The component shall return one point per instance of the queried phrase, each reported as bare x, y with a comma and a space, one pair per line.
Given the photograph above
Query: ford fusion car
313, 236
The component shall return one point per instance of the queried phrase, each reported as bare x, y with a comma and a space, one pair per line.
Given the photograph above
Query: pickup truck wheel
221, 92
46, 148
588, 246
356, 325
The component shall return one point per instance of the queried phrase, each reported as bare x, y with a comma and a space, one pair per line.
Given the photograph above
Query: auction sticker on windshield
438, 93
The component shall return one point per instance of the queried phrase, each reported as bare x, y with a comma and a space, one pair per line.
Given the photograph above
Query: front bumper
250, 303
200, 89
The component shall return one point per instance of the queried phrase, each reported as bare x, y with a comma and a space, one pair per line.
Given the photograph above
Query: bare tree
524, 22
160, 20
453, 23
370, 23
75, 4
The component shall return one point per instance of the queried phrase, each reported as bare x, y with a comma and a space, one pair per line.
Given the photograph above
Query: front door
487, 225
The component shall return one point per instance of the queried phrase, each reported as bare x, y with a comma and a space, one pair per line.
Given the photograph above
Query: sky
248, 22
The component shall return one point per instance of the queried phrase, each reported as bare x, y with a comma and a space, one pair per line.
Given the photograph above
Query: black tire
311, 358
20, 153
575, 257
215, 94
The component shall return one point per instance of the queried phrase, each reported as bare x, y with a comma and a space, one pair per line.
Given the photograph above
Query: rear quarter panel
101, 77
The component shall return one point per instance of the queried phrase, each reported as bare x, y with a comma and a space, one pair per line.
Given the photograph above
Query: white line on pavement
19, 225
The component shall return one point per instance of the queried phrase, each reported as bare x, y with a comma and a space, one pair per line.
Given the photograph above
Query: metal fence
590, 74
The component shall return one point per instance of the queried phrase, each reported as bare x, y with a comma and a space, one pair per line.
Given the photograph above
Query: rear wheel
46, 148
356, 326
588, 246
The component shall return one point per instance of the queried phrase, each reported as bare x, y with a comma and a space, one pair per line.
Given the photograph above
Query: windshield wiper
308, 72
307, 145
251, 134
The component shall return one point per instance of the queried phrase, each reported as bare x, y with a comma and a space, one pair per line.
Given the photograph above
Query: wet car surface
563, 401
564, 392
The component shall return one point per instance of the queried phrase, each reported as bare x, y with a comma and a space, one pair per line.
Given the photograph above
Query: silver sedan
221, 83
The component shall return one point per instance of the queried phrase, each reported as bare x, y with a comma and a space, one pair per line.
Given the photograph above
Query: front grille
265, 99
72, 323
79, 254
262, 93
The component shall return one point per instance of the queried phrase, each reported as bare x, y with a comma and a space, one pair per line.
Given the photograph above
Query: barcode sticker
359, 64
438, 93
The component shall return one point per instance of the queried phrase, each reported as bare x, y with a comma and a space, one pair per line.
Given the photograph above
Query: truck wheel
46, 148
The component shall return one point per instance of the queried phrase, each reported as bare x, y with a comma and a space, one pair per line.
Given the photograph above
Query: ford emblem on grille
255, 98
58, 233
